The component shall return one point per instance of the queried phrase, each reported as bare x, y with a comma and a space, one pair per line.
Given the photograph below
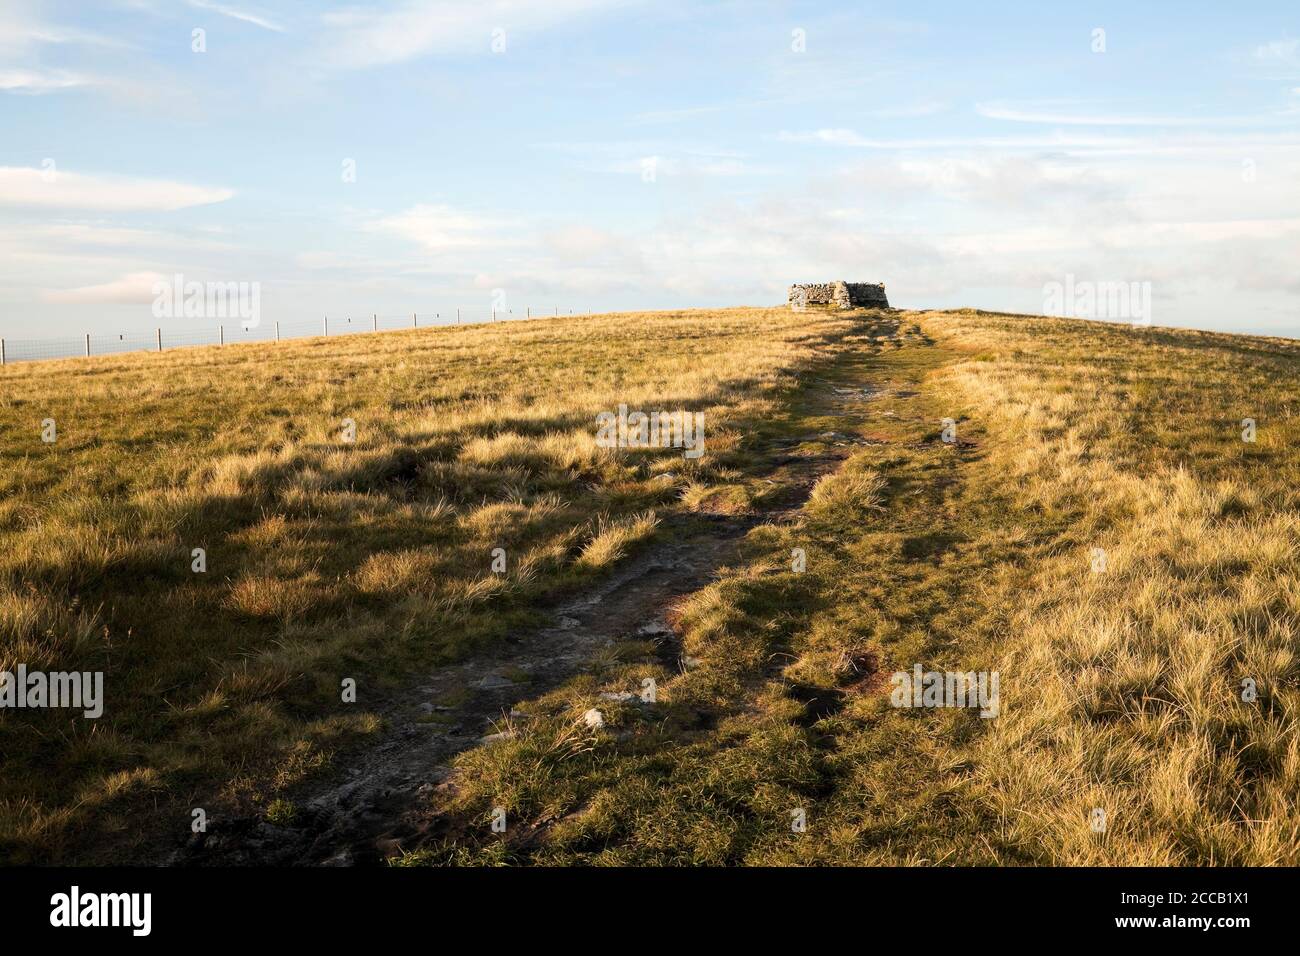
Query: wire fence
159, 340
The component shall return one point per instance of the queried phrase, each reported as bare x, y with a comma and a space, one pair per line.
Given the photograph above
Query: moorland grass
1100, 535
325, 559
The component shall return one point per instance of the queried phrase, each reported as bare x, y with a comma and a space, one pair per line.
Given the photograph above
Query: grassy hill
1098, 533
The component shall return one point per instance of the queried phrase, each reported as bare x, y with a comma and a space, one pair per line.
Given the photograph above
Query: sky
600, 155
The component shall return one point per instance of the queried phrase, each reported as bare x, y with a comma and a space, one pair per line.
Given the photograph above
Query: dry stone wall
857, 295
840, 295
812, 293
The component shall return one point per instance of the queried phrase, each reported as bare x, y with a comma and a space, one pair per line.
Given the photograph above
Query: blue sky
610, 154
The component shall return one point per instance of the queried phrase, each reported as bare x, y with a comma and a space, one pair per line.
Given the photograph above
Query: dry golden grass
325, 558
1128, 691
611, 539
1124, 689
846, 493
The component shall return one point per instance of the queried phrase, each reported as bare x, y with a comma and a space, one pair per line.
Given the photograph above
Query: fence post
277, 330
221, 335
2, 352
327, 325
415, 320
87, 344
494, 315
458, 316
528, 312
374, 322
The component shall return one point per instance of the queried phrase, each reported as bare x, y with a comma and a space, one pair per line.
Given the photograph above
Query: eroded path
375, 803
781, 744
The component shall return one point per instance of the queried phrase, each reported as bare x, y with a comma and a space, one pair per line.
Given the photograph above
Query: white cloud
1012, 182
836, 137
656, 165
26, 186
363, 38
442, 229
1010, 221
662, 157
99, 235
1277, 50
133, 289
1146, 234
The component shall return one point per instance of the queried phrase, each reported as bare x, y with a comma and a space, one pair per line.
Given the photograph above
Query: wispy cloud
1058, 117
1094, 145
26, 186
651, 158
840, 136
21, 30
133, 289
911, 110
237, 14
442, 229
30, 45
43, 81
654, 165
361, 38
